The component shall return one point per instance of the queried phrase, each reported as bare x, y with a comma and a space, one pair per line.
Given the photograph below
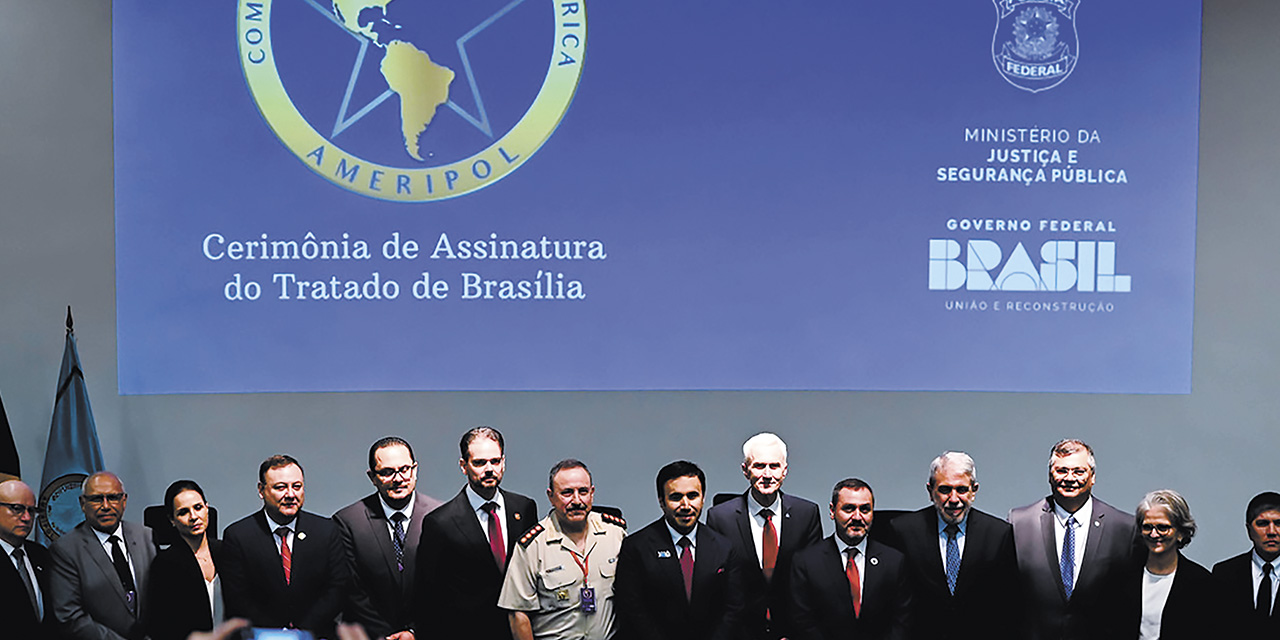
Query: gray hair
1068, 447
953, 458
760, 440
1173, 504
84, 484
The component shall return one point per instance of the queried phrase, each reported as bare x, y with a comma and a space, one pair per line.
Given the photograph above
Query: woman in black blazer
182, 595
1174, 596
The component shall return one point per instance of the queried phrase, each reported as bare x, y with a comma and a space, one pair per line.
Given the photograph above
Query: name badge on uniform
588, 599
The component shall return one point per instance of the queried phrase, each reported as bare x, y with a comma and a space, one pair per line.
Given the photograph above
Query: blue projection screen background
528, 195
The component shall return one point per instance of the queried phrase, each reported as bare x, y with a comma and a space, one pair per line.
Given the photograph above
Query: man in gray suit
380, 534
100, 568
1074, 554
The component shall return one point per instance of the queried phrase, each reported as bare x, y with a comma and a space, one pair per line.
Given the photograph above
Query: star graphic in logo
479, 119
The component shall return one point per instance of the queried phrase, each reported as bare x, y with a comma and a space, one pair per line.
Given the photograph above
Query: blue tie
953, 557
1068, 562
397, 528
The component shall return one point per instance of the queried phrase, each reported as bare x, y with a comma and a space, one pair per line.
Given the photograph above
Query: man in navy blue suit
767, 529
676, 579
848, 587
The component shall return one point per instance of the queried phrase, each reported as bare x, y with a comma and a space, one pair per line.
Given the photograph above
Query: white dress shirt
1258, 565
859, 561
1084, 522
477, 505
757, 523
408, 514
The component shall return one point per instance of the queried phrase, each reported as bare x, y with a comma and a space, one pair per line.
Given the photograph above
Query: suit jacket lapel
269, 552
380, 530
1051, 545
790, 534
411, 537
706, 562
98, 553
512, 519
1088, 568
744, 525
137, 556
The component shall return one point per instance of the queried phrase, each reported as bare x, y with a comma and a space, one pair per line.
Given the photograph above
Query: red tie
855, 584
686, 566
286, 556
496, 545
769, 550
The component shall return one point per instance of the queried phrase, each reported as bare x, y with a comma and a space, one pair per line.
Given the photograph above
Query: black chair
162, 532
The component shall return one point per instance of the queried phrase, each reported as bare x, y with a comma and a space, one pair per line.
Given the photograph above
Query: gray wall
1217, 445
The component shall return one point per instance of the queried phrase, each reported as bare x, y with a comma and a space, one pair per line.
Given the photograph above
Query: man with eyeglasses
1075, 554
24, 579
380, 534
100, 568
960, 559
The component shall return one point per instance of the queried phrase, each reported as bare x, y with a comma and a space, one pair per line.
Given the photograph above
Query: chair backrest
162, 531
720, 498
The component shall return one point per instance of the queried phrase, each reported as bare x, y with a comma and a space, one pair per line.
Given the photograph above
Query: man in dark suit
24, 579
677, 580
1247, 583
1074, 554
465, 545
380, 534
766, 528
282, 566
848, 587
960, 559
100, 568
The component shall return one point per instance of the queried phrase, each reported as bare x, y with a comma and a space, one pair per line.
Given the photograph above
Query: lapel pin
302, 535
516, 515
664, 554
875, 561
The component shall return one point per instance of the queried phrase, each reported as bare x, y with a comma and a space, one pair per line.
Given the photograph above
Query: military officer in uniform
560, 580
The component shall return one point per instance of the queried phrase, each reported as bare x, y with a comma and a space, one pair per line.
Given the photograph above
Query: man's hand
223, 631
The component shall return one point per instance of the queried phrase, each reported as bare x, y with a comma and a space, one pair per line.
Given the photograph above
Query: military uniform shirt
544, 581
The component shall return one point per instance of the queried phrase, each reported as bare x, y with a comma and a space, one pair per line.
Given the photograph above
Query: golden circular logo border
411, 184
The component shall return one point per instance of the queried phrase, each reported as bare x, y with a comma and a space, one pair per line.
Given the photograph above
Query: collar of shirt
1084, 515
942, 527
843, 548
676, 535
477, 502
273, 525
407, 510
755, 507
104, 537
1259, 563
8, 549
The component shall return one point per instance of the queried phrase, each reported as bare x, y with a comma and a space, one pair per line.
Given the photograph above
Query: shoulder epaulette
612, 519
527, 538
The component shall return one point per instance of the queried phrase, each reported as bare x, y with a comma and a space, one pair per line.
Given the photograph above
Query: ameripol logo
1035, 46
409, 100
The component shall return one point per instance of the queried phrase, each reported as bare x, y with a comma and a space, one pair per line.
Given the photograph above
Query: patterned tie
769, 546
122, 571
855, 582
1068, 562
1264, 592
686, 565
496, 544
26, 580
953, 556
397, 539
286, 556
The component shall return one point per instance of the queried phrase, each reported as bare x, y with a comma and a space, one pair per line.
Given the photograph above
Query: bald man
100, 568
24, 578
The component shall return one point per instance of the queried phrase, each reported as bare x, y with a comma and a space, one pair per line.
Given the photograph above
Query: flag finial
69, 321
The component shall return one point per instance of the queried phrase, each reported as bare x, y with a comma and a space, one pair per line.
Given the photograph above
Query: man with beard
380, 535
559, 584
678, 580
101, 567
848, 587
465, 545
284, 567
767, 528
1074, 552
960, 559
